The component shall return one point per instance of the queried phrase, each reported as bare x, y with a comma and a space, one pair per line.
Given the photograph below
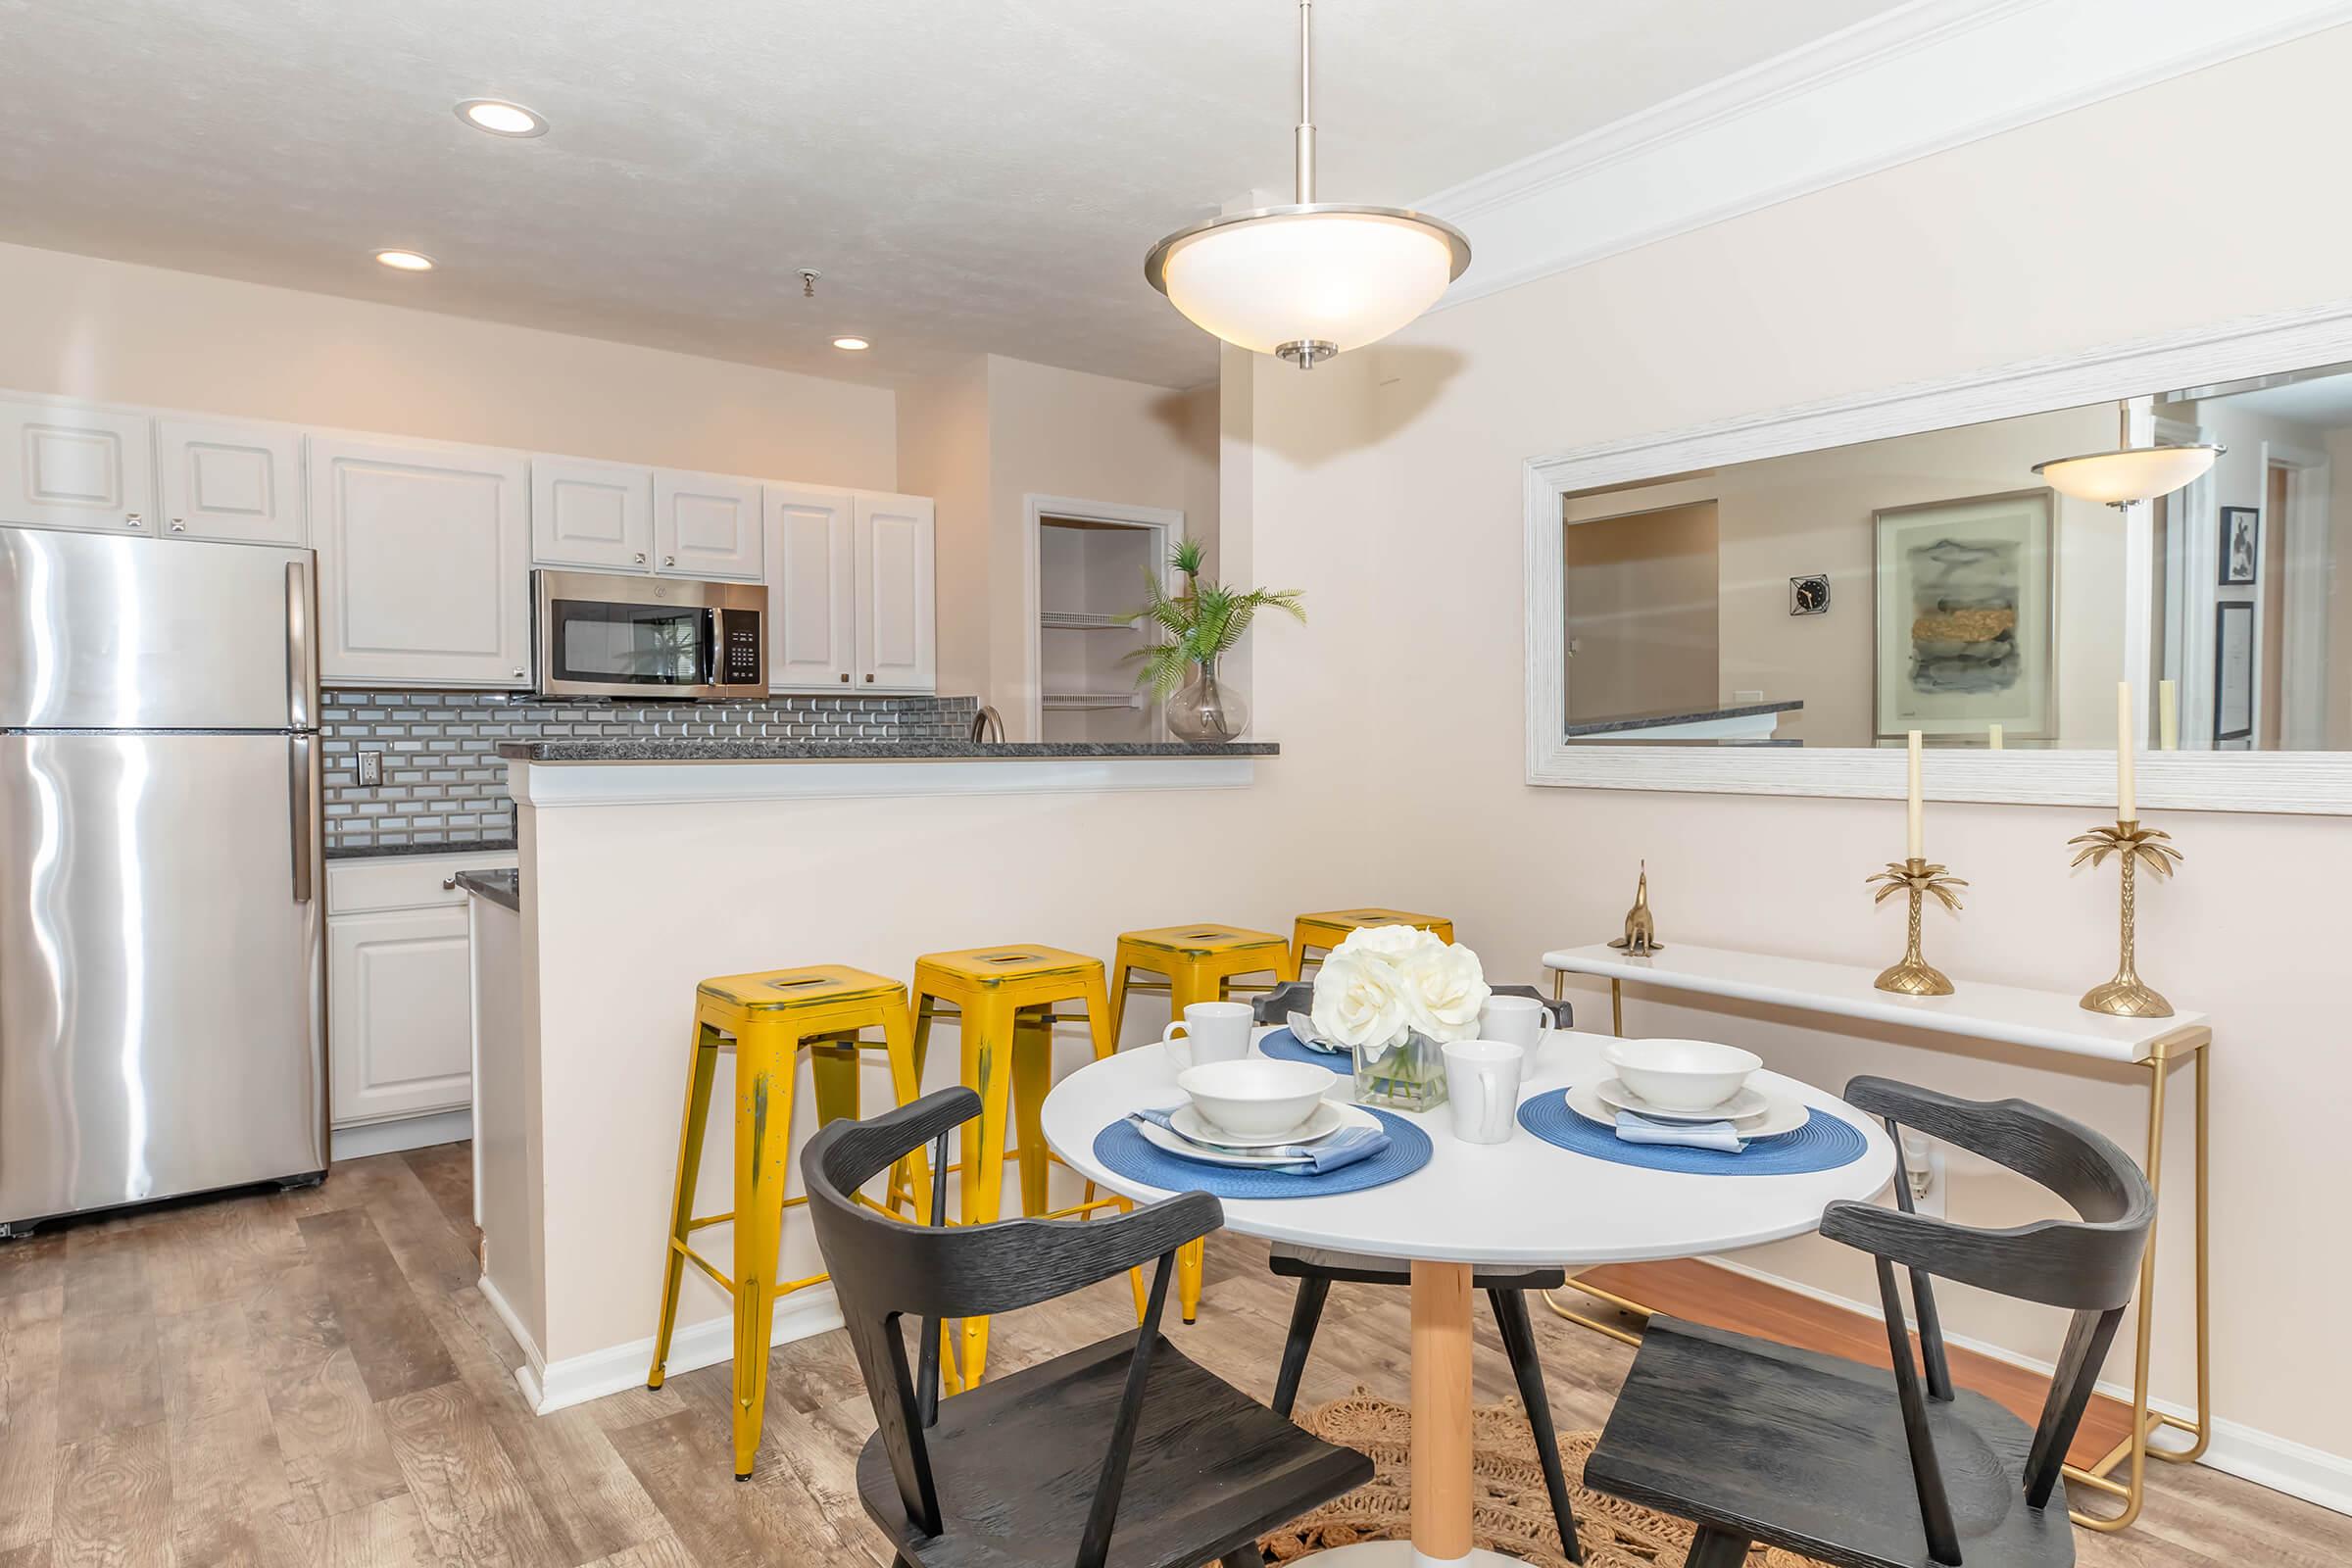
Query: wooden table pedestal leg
1441, 1412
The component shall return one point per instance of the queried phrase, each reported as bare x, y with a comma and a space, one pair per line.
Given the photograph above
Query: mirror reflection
1844, 597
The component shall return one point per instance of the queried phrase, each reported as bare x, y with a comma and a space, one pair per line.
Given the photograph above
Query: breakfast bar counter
650, 866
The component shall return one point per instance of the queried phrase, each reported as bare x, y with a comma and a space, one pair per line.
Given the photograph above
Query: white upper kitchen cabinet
812, 589
239, 483
69, 465
897, 633
591, 517
424, 562
706, 525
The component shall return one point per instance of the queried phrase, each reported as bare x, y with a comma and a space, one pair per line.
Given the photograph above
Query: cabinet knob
845, 677
519, 672
180, 525
670, 560
641, 558
869, 681
130, 519
449, 884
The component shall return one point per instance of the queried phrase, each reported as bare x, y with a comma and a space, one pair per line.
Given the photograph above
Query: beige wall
106, 330
1388, 485
994, 431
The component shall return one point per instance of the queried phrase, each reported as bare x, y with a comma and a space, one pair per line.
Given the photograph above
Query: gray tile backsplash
444, 783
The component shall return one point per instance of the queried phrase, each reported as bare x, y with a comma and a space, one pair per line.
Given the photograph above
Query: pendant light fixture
1314, 278
2129, 474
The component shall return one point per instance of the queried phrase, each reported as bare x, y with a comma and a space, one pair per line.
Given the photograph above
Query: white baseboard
2279, 1463
554, 1386
405, 1132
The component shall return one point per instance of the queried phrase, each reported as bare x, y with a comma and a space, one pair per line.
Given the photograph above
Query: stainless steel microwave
656, 638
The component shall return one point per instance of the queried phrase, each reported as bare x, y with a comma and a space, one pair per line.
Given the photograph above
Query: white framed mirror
1771, 605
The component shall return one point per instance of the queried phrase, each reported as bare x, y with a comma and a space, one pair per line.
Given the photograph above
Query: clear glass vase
1409, 1075
1204, 712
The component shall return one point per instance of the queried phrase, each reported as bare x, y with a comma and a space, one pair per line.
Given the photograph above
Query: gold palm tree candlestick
2127, 996
1915, 976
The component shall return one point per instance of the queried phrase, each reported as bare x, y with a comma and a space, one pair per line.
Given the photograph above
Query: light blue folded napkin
1336, 1153
1717, 1135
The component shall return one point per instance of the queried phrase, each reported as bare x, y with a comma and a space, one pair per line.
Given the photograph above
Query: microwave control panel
740, 652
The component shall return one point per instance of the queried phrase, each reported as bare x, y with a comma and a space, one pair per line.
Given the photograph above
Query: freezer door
161, 978
106, 633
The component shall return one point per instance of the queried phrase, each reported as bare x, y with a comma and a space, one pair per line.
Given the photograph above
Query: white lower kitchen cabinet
69, 466
424, 562
400, 1000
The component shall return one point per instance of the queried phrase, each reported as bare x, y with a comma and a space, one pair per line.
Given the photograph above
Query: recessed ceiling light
406, 261
856, 345
500, 118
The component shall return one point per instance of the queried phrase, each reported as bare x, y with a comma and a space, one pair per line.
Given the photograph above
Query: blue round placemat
1123, 1149
1284, 1046
1824, 1142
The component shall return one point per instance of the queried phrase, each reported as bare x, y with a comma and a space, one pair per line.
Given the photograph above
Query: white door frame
1167, 523
2303, 550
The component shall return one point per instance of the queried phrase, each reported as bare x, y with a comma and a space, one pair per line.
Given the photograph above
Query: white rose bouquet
1387, 983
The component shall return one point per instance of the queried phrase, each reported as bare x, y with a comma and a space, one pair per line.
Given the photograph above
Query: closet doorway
1088, 562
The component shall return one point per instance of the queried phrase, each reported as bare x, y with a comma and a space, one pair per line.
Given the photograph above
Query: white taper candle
2127, 808
1918, 802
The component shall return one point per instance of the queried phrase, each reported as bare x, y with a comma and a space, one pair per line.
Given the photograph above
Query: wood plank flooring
312, 1380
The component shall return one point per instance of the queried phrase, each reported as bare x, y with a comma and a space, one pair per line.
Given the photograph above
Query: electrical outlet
371, 767
1924, 1165
1744, 699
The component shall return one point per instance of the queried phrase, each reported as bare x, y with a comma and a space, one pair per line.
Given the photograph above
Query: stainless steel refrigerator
162, 931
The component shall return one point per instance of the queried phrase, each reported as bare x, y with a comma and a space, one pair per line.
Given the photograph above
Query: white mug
1481, 1084
1211, 1031
1518, 1020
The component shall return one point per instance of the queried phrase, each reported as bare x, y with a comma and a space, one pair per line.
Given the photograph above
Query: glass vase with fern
1196, 628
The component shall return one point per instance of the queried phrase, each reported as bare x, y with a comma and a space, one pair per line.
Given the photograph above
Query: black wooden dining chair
1123, 1453
1317, 1269
1758, 1441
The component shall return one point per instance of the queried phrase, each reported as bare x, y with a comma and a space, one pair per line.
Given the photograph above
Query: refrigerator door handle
300, 679
298, 810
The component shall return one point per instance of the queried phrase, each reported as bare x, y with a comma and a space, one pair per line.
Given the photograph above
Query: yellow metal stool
1329, 929
1007, 1000
1196, 963
766, 1021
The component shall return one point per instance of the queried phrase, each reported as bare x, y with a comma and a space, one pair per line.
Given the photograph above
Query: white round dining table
1524, 1202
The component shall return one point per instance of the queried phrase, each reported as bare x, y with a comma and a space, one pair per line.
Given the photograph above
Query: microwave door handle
715, 633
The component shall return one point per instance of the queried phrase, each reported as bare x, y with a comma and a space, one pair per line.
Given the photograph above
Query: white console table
2043, 1020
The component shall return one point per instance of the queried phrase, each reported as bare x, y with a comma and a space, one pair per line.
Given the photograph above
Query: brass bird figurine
1640, 938
2150, 846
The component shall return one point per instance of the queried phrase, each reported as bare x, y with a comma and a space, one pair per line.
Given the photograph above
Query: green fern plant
1200, 625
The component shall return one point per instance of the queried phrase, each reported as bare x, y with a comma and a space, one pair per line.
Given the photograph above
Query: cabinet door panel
897, 610
706, 525
596, 516
425, 570
62, 465
812, 592
238, 483
399, 1027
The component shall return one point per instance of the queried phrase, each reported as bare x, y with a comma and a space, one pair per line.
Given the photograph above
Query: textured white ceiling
969, 174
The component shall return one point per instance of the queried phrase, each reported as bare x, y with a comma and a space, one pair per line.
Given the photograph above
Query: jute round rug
1510, 1511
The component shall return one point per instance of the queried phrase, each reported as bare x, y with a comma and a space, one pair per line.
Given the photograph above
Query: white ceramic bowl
1686, 1075
1256, 1097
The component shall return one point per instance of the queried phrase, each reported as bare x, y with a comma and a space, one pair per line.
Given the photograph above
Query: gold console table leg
2134, 1451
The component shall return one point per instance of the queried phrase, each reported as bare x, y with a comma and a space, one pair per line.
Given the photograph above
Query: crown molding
1917, 81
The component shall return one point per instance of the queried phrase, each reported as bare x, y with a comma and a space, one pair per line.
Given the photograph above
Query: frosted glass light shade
2133, 474
1327, 275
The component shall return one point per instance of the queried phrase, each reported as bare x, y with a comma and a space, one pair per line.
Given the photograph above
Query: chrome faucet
986, 726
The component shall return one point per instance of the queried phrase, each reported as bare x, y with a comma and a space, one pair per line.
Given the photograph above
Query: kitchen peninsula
649, 864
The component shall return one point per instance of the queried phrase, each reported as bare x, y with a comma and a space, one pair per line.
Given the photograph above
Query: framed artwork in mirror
2232, 675
1964, 590
2241, 538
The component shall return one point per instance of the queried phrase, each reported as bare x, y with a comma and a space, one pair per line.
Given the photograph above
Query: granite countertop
499, 887
371, 851
625, 750
1660, 719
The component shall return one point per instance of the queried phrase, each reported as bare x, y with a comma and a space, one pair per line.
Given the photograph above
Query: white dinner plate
1195, 1128
1167, 1141
1747, 1103
1782, 1113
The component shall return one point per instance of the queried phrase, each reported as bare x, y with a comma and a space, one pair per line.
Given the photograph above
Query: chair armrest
2068, 1263
1017, 1263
